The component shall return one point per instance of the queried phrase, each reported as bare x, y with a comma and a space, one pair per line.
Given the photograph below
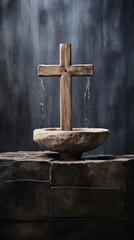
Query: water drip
87, 98
42, 96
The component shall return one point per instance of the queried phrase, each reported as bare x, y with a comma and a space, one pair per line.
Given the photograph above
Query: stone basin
70, 144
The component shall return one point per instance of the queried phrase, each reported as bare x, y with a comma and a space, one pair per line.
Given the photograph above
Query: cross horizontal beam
58, 70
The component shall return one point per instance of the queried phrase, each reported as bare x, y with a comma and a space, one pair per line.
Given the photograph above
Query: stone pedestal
44, 198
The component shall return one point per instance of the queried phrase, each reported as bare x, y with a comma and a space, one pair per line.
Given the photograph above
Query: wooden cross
65, 70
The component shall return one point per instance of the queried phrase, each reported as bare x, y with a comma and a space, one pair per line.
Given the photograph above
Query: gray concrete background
101, 32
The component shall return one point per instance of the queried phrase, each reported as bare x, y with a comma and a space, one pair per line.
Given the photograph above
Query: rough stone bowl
70, 144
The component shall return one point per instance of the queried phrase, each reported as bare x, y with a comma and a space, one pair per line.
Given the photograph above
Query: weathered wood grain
65, 54
81, 70
65, 102
66, 71
50, 70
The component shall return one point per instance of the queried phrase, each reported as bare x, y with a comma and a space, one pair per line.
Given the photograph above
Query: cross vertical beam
65, 89
65, 70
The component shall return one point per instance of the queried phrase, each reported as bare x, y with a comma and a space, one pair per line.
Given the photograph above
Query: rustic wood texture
65, 89
80, 70
65, 54
66, 71
50, 70
65, 102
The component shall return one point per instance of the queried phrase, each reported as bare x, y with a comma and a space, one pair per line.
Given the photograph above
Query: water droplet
42, 95
87, 97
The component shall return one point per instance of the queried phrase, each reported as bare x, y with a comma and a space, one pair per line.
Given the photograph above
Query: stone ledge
35, 186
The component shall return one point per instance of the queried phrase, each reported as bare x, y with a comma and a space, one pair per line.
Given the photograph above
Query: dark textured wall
101, 32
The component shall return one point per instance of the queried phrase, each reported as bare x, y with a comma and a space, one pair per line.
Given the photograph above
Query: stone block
90, 229
25, 200
20, 169
25, 230
87, 202
107, 174
65, 228
69, 173
89, 173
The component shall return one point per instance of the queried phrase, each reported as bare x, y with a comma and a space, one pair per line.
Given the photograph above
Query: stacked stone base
44, 198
